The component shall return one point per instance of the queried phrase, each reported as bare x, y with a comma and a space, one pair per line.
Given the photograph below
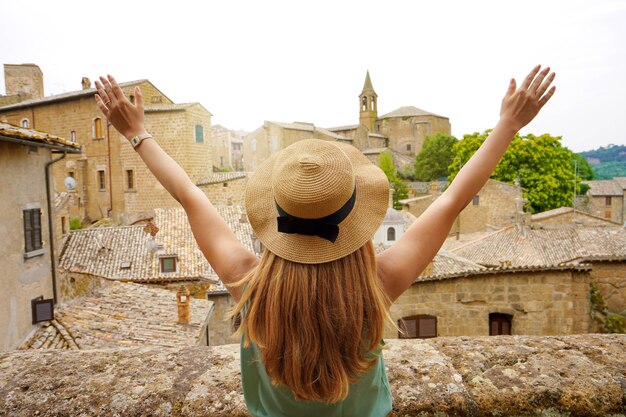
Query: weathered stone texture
572, 376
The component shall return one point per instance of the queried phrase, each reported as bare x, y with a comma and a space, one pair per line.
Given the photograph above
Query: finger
544, 86
109, 90
101, 104
547, 96
538, 80
138, 98
530, 77
119, 94
102, 94
512, 87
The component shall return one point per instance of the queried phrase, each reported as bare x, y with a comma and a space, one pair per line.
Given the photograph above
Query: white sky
250, 61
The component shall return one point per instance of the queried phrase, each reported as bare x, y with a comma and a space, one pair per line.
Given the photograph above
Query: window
420, 326
499, 324
73, 136
391, 234
25, 123
253, 145
364, 103
607, 215
130, 179
476, 200
168, 263
97, 128
408, 146
32, 230
221, 162
101, 180
199, 134
70, 174
607, 201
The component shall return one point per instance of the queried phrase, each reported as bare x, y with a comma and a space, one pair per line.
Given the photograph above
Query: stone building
496, 205
110, 177
27, 255
606, 198
403, 130
225, 188
569, 217
227, 148
273, 136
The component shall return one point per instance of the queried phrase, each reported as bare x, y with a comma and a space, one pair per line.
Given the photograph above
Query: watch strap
136, 140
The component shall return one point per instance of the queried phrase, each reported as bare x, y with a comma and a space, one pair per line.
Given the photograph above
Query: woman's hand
126, 117
521, 105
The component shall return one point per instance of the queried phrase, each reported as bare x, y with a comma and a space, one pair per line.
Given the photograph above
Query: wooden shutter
28, 231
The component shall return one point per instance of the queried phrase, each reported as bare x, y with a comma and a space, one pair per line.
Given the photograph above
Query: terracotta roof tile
409, 111
121, 315
604, 187
217, 177
36, 136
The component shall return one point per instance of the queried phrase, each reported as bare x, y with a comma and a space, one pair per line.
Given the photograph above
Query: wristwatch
136, 140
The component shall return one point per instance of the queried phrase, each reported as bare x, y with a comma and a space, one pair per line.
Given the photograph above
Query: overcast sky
250, 61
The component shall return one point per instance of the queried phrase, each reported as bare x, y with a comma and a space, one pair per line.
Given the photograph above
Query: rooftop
220, 177
409, 111
309, 127
123, 253
605, 187
36, 137
121, 315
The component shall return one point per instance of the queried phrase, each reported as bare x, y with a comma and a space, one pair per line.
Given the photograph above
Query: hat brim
370, 208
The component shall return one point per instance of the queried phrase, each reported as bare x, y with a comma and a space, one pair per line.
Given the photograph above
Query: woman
315, 304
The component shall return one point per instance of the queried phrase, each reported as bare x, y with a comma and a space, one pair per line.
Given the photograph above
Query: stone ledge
582, 375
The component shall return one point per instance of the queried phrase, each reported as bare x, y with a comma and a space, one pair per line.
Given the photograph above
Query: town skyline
247, 62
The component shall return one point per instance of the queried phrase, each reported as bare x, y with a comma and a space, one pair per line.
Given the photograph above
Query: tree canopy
401, 190
541, 164
436, 155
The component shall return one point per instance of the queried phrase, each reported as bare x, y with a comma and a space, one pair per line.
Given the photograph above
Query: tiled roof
64, 96
121, 315
513, 247
35, 136
309, 127
564, 210
409, 111
341, 128
621, 181
169, 107
447, 264
604, 187
122, 253
217, 177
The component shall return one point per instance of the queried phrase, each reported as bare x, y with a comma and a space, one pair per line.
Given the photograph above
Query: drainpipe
50, 231
110, 172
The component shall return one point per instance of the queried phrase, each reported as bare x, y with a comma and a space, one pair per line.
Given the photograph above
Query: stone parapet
583, 375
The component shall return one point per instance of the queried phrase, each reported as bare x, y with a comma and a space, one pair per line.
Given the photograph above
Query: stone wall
22, 186
227, 193
25, 80
610, 278
540, 303
613, 211
573, 376
412, 130
573, 218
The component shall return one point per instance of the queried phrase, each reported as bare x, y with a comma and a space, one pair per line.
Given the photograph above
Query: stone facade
227, 148
568, 217
494, 206
606, 199
23, 81
547, 302
273, 136
225, 188
26, 269
105, 188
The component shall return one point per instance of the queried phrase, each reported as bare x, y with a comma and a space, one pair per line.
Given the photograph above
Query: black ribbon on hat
325, 227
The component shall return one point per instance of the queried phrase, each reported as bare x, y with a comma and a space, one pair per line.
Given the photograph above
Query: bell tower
368, 105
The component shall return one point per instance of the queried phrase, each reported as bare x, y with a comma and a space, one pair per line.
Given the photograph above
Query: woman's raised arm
220, 246
400, 265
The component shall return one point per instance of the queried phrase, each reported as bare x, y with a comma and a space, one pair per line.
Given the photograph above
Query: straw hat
316, 201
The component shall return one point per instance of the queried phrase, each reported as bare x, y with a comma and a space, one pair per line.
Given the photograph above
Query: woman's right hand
126, 117
521, 105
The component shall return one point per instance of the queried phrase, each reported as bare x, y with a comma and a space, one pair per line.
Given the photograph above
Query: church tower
368, 106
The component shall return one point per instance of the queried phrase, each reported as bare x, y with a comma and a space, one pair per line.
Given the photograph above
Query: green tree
436, 155
585, 171
400, 188
540, 163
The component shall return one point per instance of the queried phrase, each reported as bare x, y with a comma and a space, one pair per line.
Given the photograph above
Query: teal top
368, 397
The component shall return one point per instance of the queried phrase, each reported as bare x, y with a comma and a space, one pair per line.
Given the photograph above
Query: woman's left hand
126, 117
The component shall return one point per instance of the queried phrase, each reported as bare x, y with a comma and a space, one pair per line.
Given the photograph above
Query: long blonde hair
315, 325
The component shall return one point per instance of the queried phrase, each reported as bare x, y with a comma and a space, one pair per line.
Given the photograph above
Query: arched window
97, 128
199, 134
25, 123
73, 136
500, 323
420, 326
364, 103
391, 234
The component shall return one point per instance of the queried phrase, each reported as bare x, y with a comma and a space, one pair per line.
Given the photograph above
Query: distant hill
607, 162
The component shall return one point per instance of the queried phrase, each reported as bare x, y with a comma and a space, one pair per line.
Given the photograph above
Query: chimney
86, 83
182, 298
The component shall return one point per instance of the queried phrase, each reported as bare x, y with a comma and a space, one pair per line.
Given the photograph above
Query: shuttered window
32, 230
420, 326
199, 134
500, 324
